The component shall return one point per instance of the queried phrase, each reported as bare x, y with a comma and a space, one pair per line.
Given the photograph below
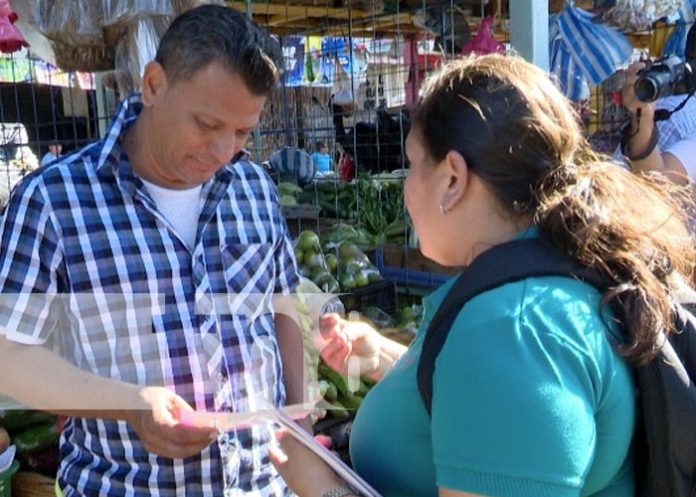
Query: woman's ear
458, 178
154, 83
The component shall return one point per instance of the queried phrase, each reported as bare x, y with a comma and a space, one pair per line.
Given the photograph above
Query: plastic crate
380, 294
6, 479
405, 265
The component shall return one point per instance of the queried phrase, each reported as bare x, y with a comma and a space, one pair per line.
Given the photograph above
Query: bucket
6, 480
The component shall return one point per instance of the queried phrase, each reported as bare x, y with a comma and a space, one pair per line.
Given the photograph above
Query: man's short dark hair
214, 33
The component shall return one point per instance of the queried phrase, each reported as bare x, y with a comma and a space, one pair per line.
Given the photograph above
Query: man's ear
154, 83
458, 179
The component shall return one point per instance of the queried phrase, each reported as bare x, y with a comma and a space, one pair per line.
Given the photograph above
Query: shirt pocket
249, 271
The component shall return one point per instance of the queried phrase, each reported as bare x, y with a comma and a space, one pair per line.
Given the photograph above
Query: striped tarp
584, 52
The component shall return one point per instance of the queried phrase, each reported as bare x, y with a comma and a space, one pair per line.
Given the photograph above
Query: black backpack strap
505, 263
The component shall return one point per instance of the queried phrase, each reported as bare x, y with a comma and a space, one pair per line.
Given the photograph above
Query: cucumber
337, 379
36, 438
15, 420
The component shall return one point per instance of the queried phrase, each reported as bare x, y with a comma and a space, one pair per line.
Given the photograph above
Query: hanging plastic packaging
125, 12
676, 43
11, 39
138, 47
85, 33
640, 15
342, 91
583, 51
484, 42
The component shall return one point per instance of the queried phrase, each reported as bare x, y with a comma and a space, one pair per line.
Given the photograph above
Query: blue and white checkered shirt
85, 235
681, 125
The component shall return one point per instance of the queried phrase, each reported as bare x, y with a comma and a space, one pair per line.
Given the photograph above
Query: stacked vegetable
374, 204
313, 264
288, 193
339, 267
342, 394
36, 435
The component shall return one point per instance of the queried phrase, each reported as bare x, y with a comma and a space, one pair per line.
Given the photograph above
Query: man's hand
628, 94
158, 425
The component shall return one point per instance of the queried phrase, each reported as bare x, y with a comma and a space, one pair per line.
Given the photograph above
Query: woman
532, 394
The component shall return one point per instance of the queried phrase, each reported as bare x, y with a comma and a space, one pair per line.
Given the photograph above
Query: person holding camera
661, 134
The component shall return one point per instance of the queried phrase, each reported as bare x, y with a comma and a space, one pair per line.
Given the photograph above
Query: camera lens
647, 89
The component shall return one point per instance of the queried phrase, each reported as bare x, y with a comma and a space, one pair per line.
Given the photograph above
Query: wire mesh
352, 73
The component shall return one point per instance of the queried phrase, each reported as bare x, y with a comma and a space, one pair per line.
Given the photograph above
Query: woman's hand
356, 348
352, 347
304, 472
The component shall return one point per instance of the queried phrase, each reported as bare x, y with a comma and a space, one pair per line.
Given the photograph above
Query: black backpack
665, 438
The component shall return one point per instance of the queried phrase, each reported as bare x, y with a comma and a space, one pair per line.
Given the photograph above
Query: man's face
195, 125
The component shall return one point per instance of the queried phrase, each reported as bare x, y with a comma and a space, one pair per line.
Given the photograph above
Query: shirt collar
110, 157
128, 111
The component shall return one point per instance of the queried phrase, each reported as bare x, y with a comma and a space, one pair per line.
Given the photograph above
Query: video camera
664, 76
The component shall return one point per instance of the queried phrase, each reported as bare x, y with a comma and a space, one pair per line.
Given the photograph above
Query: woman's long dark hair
521, 136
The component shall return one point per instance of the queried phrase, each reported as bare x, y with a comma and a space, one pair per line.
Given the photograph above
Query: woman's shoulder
555, 308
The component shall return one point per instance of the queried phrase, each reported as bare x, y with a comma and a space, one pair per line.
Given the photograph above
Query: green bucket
6, 480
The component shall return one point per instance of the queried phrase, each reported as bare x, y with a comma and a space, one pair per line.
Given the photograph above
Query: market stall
352, 73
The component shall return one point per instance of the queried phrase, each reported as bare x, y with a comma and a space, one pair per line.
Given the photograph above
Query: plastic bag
484, 42
11, 39
639, 15
127, 11
138, 47
71, 22
342, 92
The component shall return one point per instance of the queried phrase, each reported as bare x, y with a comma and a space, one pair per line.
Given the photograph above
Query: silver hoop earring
443, 211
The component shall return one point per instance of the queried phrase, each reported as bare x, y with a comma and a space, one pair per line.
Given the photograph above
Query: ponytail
629, 228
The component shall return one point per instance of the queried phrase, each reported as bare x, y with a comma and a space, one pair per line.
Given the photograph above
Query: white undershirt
180, 207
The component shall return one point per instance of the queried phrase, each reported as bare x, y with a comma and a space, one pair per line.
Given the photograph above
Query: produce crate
380, 294
406, 265
6, 480
301, 211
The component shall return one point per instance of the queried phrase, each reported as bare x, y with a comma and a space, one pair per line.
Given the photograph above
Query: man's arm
291, 349
37, 377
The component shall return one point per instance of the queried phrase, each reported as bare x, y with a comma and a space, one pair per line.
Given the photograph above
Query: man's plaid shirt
84, 235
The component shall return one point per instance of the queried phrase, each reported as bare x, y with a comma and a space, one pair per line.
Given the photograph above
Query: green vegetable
287, 188
361, 279
287, 200
308, 241
15, 420
331, 393
353, 403
331, 262
341, 381
327, 282
36, 438
337, 410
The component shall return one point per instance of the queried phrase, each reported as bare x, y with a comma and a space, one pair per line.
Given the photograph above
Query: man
666, 146
150, 260
54, 150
